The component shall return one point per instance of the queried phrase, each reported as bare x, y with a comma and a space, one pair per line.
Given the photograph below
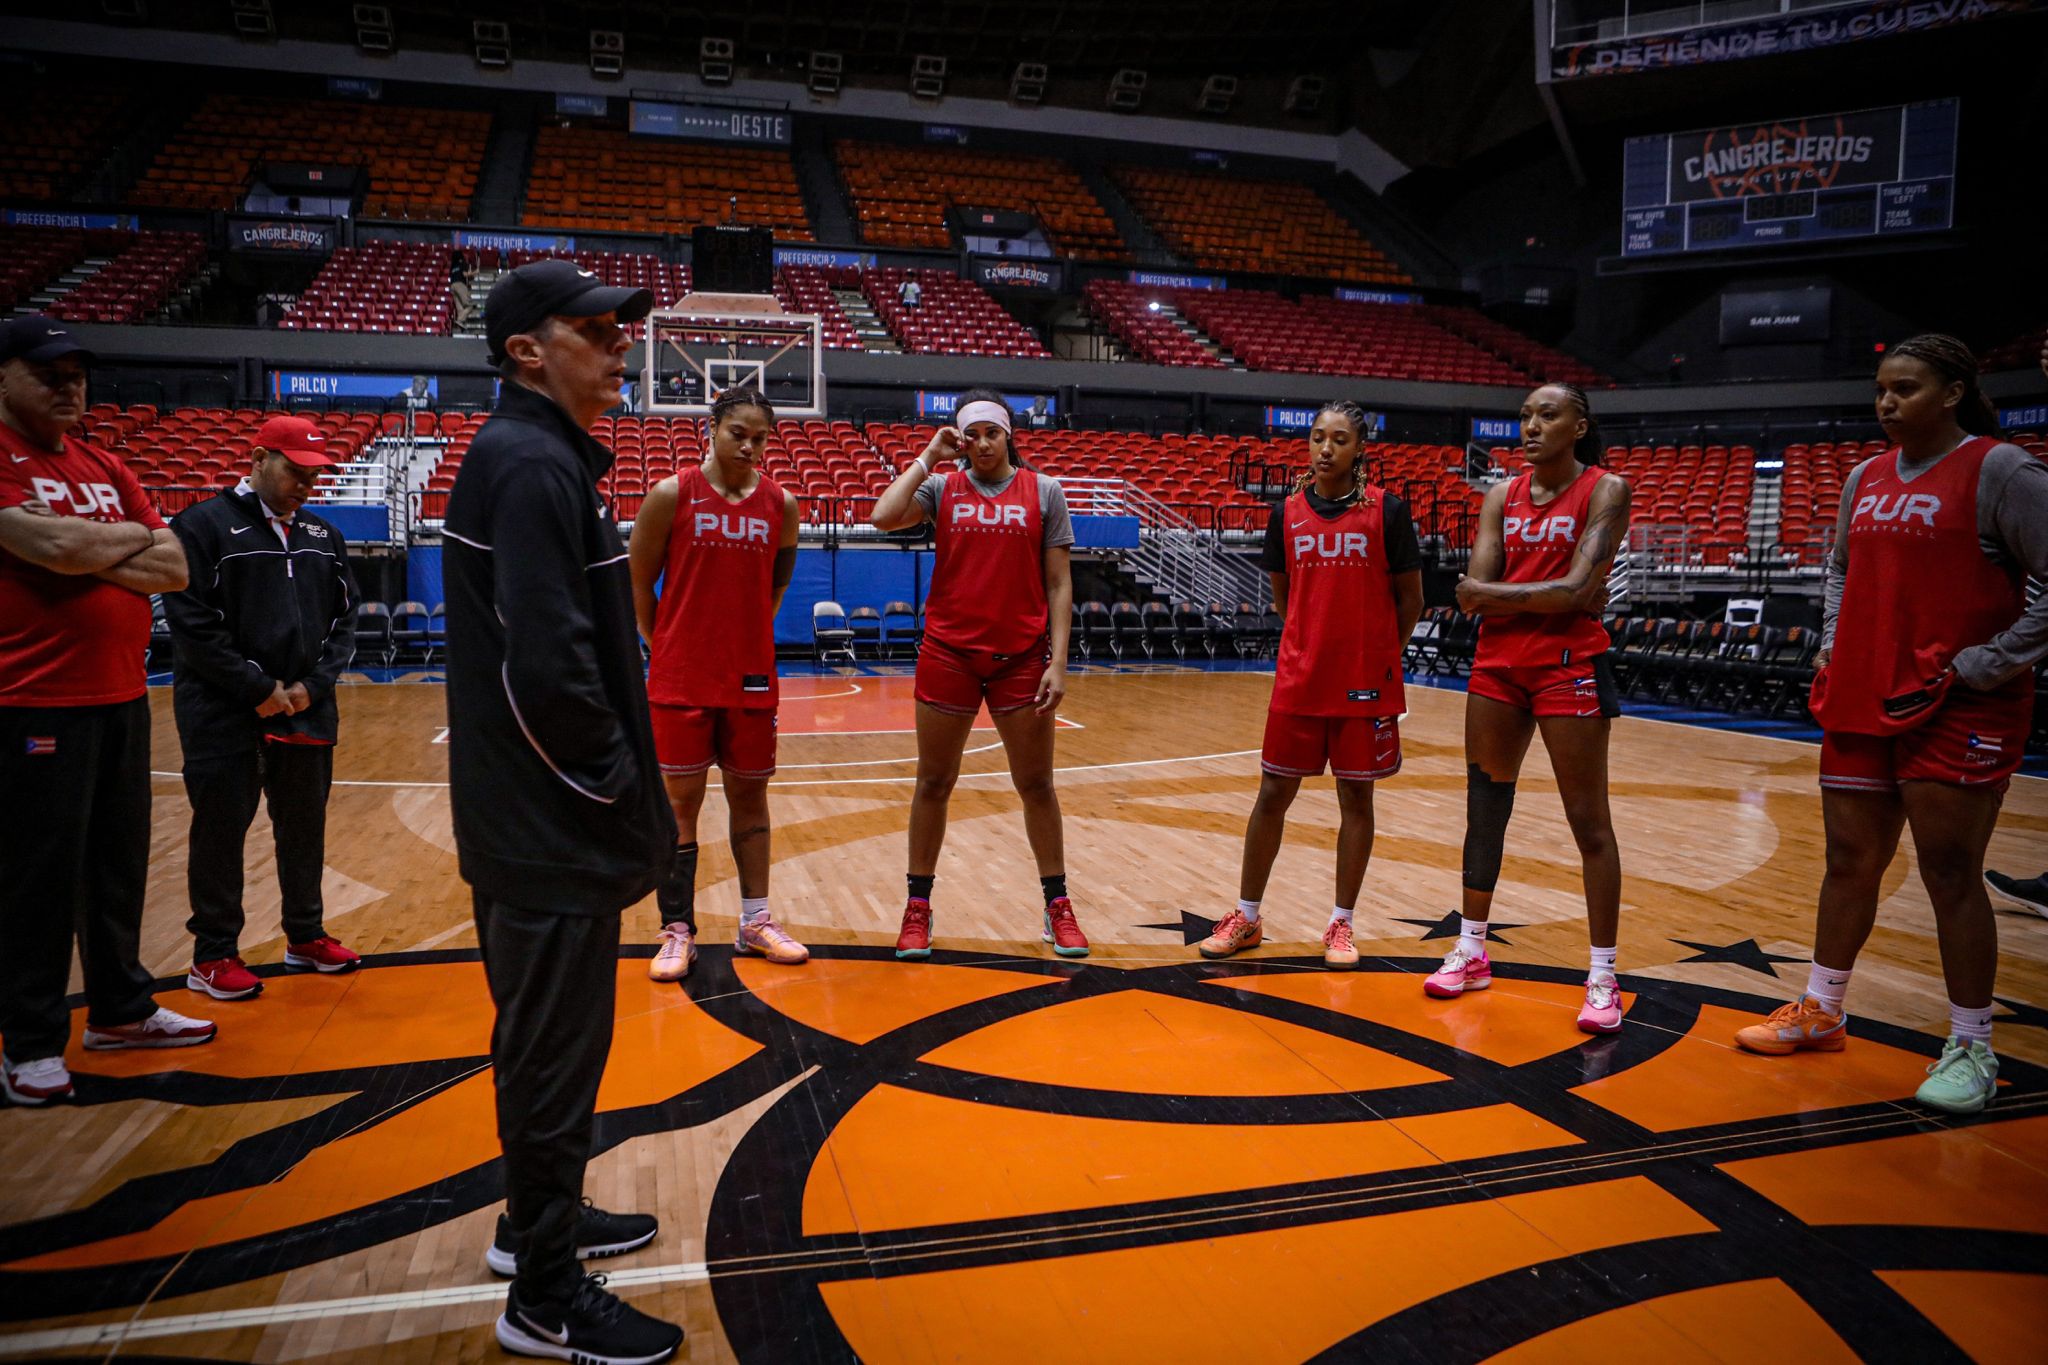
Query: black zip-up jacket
556, 792
258, 611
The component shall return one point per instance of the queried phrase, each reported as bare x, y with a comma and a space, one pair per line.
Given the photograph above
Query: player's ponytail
1956, 364
1587, 450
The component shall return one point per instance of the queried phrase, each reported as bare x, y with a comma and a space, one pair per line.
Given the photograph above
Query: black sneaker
595, 1327
597, 1234
2032, 893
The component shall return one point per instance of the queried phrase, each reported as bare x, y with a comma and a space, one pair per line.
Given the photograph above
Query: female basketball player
996, 626
1924, 695
720, 538
1538, 579
1347, 577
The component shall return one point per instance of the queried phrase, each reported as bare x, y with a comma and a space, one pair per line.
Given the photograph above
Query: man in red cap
81, 550
258, 641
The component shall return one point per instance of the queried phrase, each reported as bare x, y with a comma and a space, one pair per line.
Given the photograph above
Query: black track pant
553, 978
224, 789
74, 860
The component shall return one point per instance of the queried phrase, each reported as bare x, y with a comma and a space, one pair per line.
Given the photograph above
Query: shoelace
1230, 925
1601, 994
917, 916
1950, 1058
771, 931
1061, 916
1339, 935
595, 1302
1456, 960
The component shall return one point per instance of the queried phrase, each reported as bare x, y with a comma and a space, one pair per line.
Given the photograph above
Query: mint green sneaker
1963, 1081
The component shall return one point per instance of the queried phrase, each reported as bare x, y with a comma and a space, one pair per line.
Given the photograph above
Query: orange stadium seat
422, 163
598, 179
1267, 227
901, 194
58, 133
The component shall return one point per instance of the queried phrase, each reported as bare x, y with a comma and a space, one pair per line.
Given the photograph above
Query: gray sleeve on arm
927, 496
2012, 526
1838, 560
1052, 514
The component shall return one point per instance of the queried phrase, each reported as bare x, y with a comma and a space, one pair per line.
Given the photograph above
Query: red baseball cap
297, 439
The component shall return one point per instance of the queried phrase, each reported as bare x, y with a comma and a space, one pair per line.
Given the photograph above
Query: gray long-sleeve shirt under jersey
2012, 529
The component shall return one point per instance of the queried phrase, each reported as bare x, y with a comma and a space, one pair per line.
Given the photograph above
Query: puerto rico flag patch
1984, 749
41, 744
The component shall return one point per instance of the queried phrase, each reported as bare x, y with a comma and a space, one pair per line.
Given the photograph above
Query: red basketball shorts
1576, 689
1971, 740
958, 683
688, 739
1356, 748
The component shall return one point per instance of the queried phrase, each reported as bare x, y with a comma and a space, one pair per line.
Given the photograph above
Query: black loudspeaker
733, 260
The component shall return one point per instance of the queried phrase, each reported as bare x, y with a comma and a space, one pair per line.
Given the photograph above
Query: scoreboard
1830, 177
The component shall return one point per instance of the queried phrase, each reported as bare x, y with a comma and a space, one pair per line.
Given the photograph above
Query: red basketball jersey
1541, 543
1340, 653
988, 568
714, 632
1919, 590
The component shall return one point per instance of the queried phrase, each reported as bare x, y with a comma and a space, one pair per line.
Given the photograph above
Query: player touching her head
1347, 578
996, 625
720, 540
1924, 695
1537, 581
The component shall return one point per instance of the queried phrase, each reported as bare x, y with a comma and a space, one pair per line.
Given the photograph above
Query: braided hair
1354, 414
740, 396
1587, 450
1955, 363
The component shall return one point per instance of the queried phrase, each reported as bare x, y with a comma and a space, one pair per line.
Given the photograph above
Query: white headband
981, 410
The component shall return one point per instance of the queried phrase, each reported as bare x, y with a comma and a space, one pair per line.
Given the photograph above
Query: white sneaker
165, 1028
676, 954
36, 1082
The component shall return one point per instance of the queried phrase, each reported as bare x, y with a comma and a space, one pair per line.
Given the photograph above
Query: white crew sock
753, 909
1603, 963
1472, 937
1970, 1025
1250, 910
1829, 986
1340, 913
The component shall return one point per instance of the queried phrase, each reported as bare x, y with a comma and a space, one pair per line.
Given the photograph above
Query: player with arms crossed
1537, 580
996, 627
1347, 577
720, 538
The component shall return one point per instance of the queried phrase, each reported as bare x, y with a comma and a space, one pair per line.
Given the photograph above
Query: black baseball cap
37, 338
522, 299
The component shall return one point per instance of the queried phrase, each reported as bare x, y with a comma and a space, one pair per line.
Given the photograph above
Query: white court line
854, 690
871, 781
879, 762
114, 1334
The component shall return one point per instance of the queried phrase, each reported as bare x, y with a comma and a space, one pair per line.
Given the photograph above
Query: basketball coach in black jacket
259, 637
560, 818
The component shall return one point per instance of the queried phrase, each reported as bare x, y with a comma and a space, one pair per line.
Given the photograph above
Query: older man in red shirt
81, 550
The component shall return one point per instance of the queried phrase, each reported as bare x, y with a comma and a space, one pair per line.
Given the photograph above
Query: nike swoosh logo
235, 531
18, 459
1296, 525
559, 1336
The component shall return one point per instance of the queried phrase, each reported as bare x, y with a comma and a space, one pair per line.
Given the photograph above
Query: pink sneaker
1458, 975
768, 939
1339, 952
1233, 933
1602, 1013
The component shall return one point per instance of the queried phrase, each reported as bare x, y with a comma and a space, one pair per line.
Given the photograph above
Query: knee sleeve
1488, 804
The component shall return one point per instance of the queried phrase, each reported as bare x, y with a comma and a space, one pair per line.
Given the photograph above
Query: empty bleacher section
57, 135
953, 316
1331, 336
2023, 352
587, 178
1689, 504
144, 271
807, 290
186, 454
31, 258
1812, 492
1146, 333
422, 163
377, 287
1536, 361
901, 194
1266, 227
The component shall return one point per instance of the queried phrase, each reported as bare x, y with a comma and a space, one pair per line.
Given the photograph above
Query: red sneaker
223, 978
36, 1082
323, 954
916, 939
1061, 932
165, 1028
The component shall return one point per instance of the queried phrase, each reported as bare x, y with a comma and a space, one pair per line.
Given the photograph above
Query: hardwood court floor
998, 1156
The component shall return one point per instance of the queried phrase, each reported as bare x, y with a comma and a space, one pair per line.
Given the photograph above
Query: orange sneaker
1802, 1026
1232, 934
1339, 953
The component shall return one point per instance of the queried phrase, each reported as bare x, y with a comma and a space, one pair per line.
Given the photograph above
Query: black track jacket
556, 792
254, 614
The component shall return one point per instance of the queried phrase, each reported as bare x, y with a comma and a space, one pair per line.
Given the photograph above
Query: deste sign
709, 123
